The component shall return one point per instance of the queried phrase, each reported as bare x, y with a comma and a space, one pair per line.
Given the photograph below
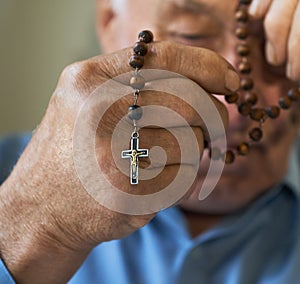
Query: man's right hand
49, 223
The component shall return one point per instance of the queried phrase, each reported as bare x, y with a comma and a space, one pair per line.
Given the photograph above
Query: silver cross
134, 154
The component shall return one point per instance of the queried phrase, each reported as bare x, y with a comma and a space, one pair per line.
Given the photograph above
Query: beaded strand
245, 99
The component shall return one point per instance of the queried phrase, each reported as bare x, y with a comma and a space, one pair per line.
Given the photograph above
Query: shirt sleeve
11, 148
5, 277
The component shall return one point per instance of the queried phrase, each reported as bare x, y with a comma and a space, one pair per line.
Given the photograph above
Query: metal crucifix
134, 154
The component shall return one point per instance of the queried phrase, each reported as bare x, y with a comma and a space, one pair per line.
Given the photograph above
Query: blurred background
37, 39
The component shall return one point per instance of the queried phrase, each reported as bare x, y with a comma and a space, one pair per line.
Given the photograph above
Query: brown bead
257, 114
136, 61
231, 99
251, 98
245, 2
245, 67
247, 84
242, 32
245, 108
241, 16
243, 149
273, 111
243, 49
146, 36
229, 157
294, 94
215, 154
137, 82
256, 134
140, 48
285, 102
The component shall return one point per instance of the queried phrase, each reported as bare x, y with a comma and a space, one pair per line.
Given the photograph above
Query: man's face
211, 24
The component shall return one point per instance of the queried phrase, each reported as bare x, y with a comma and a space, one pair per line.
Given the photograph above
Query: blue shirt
257, 245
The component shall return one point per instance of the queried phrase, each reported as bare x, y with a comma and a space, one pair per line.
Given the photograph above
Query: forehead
164, 10
204, 5
216, 11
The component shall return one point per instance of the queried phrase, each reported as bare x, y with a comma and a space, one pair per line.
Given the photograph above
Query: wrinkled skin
48, 221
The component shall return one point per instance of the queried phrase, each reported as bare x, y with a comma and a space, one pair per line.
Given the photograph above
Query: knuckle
70, 72
82, 76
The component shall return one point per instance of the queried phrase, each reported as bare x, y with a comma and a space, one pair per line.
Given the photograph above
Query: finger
155, 169
278, 24
259, 8
293, 68
208, 69
161, 109
179, 146
212, 114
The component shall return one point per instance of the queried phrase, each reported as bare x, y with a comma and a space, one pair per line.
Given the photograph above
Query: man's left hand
282, 28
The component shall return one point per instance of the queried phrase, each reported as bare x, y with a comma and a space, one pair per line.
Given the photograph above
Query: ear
104, 18
105, 14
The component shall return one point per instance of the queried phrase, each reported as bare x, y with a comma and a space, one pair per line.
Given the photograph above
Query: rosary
137, 82
245, 99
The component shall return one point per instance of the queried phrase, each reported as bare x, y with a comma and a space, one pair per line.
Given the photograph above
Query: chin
240, 184
248, 177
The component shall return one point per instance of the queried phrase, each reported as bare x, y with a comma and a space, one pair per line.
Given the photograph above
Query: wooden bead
285, 102
251, 98
243, 149
137, 82
140, 48
245, 67
245, 108
273, 111
294, 94
242, 32
243, 49
135, 112
215, 154
231, 99
146, 36
242, 16
229, 157
257, 114
247, 84
256, 134
136, 61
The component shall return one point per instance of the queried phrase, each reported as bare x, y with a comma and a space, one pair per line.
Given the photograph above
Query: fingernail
253, 10
232, 80
271, 54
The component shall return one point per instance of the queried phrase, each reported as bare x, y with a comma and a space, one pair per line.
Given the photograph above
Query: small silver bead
137, 82
135, 112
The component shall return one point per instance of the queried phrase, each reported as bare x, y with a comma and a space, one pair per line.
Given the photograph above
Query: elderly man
246, 231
